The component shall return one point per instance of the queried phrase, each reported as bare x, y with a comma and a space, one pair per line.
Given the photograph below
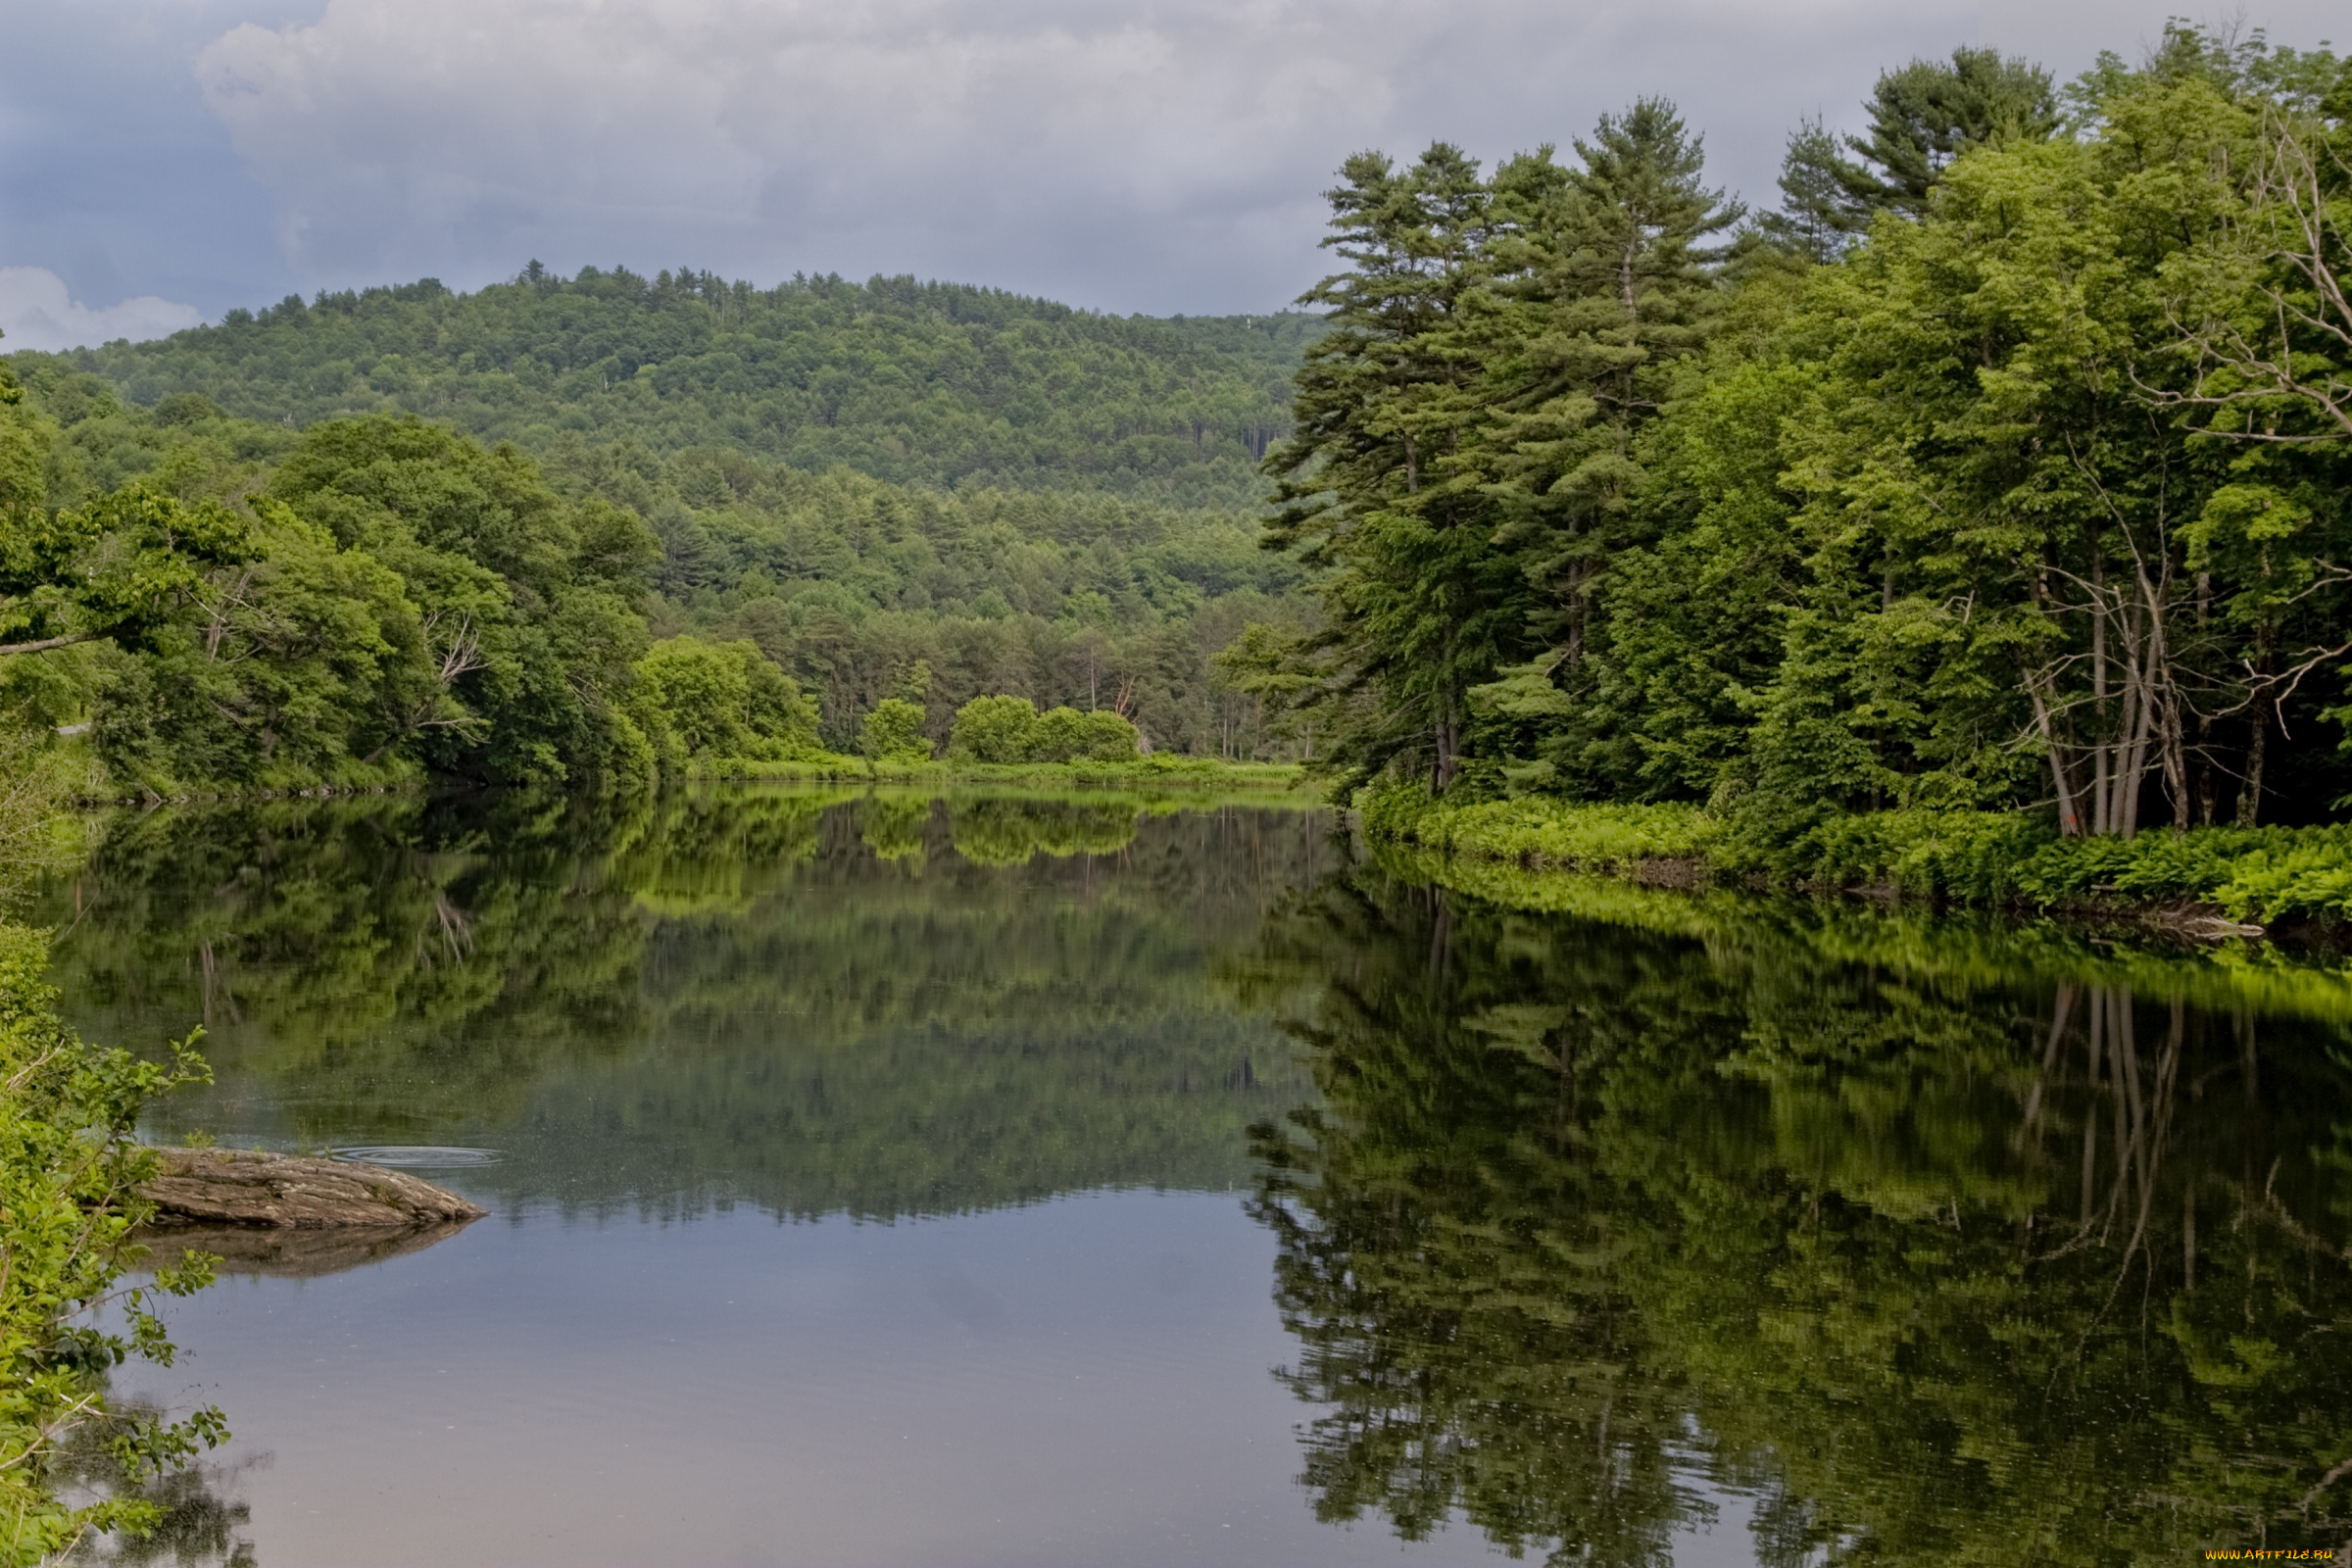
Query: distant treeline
928, 383
220, 603
858, 587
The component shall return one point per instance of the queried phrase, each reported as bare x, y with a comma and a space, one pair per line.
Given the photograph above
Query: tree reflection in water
201, 1523
817, 1000
1942, 1271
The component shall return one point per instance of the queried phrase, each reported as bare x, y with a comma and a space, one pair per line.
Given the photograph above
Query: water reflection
814, 1001
1855, 1237
290, 1252
201, 1520
1945, 1268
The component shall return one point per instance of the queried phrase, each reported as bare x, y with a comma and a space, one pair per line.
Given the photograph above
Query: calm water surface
883, 1180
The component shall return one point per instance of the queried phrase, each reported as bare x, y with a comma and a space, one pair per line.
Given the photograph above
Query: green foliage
994, 729
853, 586
298, 668
348, 607
1537, 832
39, 784
1010, 730
1462, 459
531, 599
696, 702
1922, 118
115, 567
893, 732
2032, 501
1067, 735
929, 384
68, 1172
1589, 1218
2271, 875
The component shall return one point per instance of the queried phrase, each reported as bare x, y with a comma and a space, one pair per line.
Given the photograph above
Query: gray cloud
1146, 154
1154, 154
112, 172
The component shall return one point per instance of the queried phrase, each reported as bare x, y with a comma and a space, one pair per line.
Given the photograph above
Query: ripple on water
417, 1157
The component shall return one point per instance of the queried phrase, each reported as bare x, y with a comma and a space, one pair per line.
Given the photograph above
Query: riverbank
2209, 882
1159, 770
1154, 773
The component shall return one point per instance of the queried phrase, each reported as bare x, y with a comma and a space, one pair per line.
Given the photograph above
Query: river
877, 1179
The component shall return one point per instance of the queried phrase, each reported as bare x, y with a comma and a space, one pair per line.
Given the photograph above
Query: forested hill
928, 383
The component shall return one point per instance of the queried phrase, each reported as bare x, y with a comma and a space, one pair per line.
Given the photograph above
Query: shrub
994, 729
697, 699
1065, 735
893, 732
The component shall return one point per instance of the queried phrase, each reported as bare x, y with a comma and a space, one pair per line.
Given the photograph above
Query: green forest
2004, 468
916, 383
1998, 473
223, 604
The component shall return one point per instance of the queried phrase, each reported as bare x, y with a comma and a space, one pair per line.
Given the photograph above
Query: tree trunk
2249, 794
2102, 815
2070, 810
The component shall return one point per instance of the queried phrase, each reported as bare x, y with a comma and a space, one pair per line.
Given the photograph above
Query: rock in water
244, 1186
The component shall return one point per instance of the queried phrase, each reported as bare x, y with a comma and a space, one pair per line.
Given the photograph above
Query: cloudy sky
162, 161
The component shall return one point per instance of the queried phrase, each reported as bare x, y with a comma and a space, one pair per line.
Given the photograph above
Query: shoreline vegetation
71, 1174
72, 1170
1941, 534
2154, 946
2206, 885
1158, 772
2291, 885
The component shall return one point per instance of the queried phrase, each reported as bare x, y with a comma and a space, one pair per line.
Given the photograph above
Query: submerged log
245, 1186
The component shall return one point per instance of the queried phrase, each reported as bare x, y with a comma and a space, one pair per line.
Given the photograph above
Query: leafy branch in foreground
70, 1171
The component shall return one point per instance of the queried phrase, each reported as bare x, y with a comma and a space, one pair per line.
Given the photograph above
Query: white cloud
1142, 154
37, 313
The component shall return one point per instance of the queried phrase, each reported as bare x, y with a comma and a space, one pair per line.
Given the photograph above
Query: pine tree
1922, 117
1817, 217
1423, 603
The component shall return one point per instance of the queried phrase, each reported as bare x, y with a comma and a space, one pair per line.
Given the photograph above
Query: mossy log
245, 1186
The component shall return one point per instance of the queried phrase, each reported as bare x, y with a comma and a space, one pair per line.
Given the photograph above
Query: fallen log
246, 1187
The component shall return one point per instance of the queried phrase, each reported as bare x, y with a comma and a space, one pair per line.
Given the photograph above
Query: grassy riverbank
2274, 876
1159, 770
1968, 948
